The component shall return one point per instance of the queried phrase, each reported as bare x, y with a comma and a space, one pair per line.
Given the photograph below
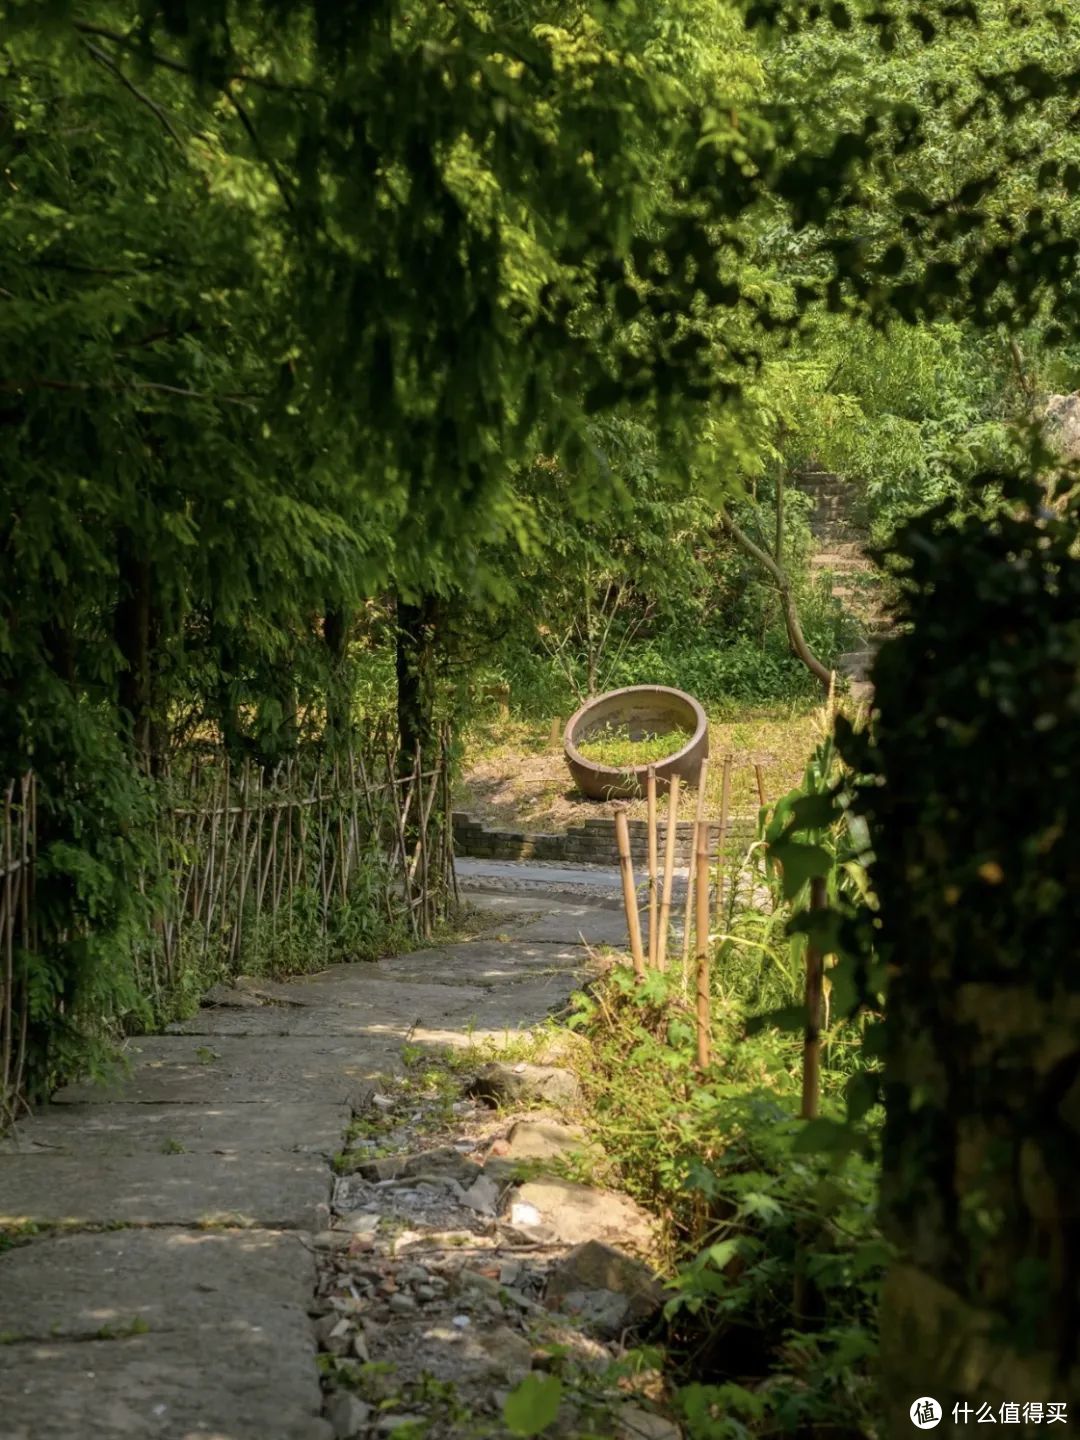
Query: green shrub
972, 800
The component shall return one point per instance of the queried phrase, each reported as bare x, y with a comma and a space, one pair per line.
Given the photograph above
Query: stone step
840, 564
835, 530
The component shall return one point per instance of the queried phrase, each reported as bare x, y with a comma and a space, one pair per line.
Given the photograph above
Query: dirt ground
516, 776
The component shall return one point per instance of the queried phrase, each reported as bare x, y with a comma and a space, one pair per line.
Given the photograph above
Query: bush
973, 805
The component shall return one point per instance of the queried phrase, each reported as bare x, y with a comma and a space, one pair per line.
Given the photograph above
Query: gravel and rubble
448, 1275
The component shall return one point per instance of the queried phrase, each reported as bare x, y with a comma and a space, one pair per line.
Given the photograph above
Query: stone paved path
180, 1210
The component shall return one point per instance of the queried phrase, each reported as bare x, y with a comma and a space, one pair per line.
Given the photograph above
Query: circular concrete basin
641, 710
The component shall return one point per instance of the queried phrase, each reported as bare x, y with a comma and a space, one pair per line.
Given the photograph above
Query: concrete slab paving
261, 1384
527, 876
485, 963
578, 925
165, 1329
343, 1003
232, 1069
281, 1191
66, 1286
304, 1127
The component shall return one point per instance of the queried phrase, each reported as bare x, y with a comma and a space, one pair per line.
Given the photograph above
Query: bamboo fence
248, 862
18, 851
245, 847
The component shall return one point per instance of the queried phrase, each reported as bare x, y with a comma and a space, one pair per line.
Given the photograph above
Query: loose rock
577, 1213
636, 1424
544, 1140
347, 1414
501, 1084
482, 1195
601, 1268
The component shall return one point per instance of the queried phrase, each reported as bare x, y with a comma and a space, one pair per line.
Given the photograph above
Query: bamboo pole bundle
690, 879
622, 837
669, 872
704, 1007
650, 791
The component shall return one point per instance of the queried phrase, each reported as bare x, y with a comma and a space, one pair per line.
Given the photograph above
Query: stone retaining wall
592, 842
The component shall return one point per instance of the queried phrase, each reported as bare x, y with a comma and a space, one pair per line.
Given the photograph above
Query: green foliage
533, 1404
970, 797
772, 1316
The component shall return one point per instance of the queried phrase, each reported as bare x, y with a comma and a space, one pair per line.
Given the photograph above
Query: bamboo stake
669, 869
227, 889
702, 777
373, 820
402, 849
448, 803
622, 837
815, 977
650, 791
343, 874
7, 927
238, 930
721, 847
760, 785
291, 781
704, 1042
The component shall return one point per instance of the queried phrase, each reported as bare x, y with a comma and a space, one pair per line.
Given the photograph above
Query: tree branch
260, 150
140, 95
83, 386
787, 600
167, 63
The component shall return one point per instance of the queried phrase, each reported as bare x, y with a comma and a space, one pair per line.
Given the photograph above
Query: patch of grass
614, 745
122, 1330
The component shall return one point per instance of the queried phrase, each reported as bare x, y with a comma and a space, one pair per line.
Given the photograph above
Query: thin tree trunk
337, 623
787, 600
415, 663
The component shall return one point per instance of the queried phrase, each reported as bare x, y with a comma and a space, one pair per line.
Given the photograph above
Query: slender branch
791, 614
140, 95
260, 150
167, 63
84, 386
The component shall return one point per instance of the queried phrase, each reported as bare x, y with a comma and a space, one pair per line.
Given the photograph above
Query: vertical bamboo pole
7, 928
419, 862
815, 977
324, 887
669, 868
690, 879
622, 837
259, 818
226, 886
704, 1040
290, 780
343, 870
650, 791
449, 821
238, 931
760, 785
721, 847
